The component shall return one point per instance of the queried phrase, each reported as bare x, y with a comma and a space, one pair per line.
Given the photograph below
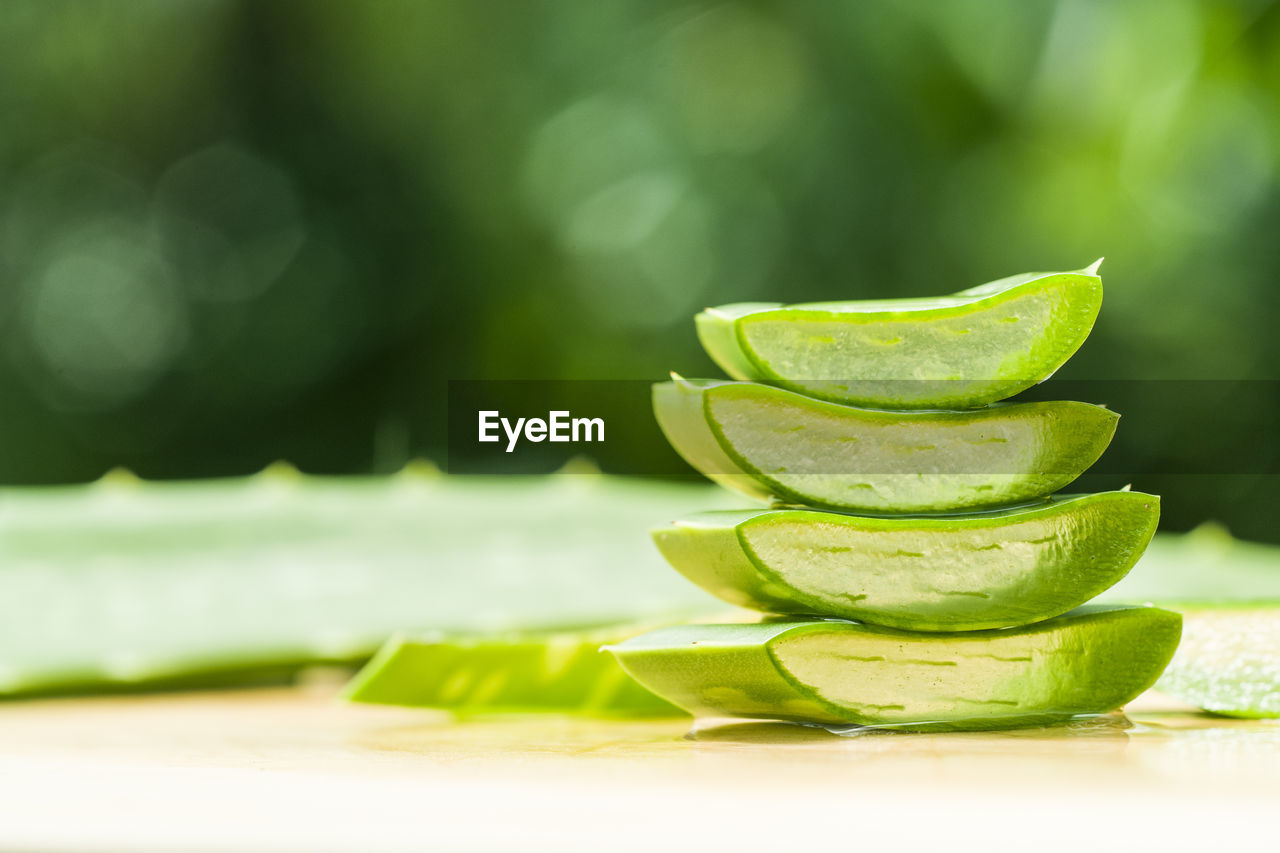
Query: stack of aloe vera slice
919, 569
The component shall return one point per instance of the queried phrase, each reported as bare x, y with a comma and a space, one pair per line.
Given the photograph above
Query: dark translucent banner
1205, 428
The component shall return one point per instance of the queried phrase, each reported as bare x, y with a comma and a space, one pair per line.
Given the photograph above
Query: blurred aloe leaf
1229, 593
1206, 565
124, 583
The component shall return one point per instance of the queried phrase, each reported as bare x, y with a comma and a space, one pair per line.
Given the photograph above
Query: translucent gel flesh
969, 349
843, 457
1073, 665
975, 573
1229, 661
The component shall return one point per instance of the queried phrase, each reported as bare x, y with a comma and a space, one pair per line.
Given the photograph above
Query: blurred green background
233, 232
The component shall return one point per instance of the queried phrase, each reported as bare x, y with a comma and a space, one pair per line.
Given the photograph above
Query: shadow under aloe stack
918, 568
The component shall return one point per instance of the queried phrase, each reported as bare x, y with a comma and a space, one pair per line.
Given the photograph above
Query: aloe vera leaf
476, 674
974, 347
124, 583
765, 441
934, 573
1206, 566
1092, 660
1229, 593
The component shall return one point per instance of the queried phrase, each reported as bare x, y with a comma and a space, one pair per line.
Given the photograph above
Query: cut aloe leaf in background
561, 672
1092, 660
1229, 594
765, 441
974, 347
1229, 660
936, 573
124, 583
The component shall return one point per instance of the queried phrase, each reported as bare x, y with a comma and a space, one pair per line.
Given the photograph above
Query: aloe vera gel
929, 576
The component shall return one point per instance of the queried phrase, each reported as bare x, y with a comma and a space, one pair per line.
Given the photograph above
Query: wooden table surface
296, 769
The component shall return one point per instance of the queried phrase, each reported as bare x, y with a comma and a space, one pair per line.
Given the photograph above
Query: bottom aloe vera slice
925, 573
537, 672
1092, 660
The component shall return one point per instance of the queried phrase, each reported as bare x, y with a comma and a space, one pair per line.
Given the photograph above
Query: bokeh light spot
625, 213
734, 78
655, 280
587, 147
105, 318
234, 216
1199, 159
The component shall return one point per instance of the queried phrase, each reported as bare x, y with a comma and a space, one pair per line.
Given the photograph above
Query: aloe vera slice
472, 674
1228, 662
765, 441
934, 573
1092, 660
1228, 591
974, 347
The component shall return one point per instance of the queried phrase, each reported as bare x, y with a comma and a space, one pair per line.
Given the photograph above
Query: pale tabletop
297, 769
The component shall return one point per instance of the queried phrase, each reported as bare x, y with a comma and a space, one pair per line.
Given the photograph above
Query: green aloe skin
1229, 594
485, 674
1091, 660
765, 441
937, 573
969, 349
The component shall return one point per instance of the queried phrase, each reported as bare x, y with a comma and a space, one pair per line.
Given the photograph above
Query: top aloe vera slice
1092, 660
917, 573
969, 349
1228, 591
561, 672
764, 441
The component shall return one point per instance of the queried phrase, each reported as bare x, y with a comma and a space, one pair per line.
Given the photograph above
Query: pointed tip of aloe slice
1092, 269
357, 687
681, 381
